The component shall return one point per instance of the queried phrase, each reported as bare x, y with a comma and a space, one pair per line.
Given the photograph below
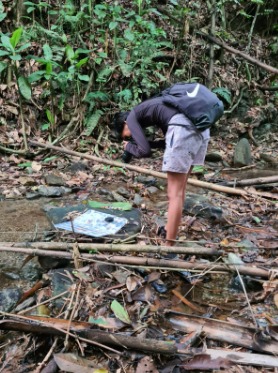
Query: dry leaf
146, 365
36, 166
75, 364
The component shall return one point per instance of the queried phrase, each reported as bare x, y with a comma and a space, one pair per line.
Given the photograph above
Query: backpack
196, 102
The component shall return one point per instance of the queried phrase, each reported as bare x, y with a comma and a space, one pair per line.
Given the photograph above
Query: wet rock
250, 283
54, 180
147, 180
75, 167
11, 275
198, 205
213, 157
58, 214
48, 263
152, 189
103, 192
123, 192
60, 281
25, 304
31, 271
117, 197
242, 153
52, 191
9, 298
137, 200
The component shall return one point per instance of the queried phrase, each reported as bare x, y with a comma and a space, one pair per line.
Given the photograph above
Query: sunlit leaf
120, 312
48, 55
15, 38
24, 87
124, 206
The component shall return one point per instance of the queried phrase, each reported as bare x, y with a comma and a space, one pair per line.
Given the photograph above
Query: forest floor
150, 303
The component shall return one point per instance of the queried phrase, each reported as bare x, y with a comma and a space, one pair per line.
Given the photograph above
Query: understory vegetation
66, 68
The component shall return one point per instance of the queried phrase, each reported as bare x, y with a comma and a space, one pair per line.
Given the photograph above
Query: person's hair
119, 121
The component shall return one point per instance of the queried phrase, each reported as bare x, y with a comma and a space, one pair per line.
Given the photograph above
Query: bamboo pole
114, 247
161, 175
144, 261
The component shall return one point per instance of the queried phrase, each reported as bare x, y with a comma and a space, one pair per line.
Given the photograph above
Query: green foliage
91, 122
224, 94
3, 15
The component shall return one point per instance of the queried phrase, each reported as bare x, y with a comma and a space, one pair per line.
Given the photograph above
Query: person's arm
141, 147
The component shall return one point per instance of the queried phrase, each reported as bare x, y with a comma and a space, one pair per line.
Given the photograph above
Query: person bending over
186, 147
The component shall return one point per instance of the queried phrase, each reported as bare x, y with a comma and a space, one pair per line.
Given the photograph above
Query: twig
47, 356
16, 316
187, 302
147, 171
239, 53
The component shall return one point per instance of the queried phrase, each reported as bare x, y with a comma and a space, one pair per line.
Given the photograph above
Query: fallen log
146, 262
238, 335
96, 336
161, 175
115, 248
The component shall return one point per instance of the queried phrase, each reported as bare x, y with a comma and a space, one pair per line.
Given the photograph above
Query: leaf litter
133, 301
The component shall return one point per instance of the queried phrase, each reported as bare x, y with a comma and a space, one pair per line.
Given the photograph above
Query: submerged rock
198, 205
9, 298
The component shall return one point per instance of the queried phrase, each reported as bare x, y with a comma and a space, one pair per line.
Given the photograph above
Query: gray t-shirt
152, 112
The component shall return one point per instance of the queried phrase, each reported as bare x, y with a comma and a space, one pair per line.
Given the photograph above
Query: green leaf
23, 47
69, 53
120, 312
234, 259
45, 126
25, 164
92, 122
3, 66
198, 170
24, 87
3, 16
84, 78
50, 116
3, 53
124, 206
15, 38
256, 219
113, 25
48, 68
82, 62
37, 75
47, 51
49, 159
223, 93
30, 9
129, 35
16, 57
5, 40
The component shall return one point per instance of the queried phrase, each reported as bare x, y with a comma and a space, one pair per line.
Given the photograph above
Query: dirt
22, 220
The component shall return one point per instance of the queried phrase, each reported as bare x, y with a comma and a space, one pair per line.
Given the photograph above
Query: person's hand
125, 144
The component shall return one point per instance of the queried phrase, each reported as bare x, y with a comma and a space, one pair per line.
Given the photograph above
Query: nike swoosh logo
194, 92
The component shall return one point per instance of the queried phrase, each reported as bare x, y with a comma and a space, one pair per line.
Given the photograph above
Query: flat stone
60, 282
58, 214
198, 205
51, 191
9, 298
54, 180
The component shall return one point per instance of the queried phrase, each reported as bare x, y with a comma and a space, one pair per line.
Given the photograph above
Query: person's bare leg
176, 189
176, 194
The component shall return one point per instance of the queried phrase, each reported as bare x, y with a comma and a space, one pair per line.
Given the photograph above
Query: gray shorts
185, 145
